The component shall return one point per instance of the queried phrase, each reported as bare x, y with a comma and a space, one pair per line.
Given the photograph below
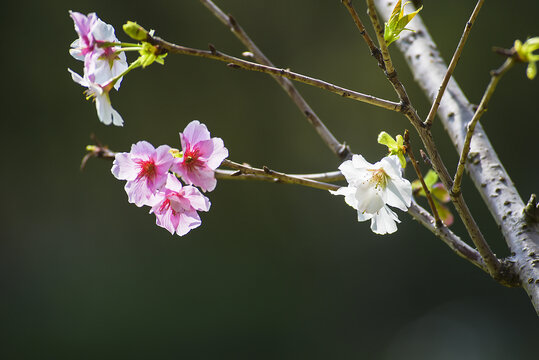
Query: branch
341, 150
247, 65
235, 175
244, 169
380, 36
453, 63
375, 52
489, 176
410, 153
389, 69
495, 78
449, 238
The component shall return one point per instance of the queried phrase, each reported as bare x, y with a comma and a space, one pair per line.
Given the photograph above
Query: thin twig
453, 64
380, 36
341, 150
234, 62
375, 51
453, 241
278, 176
389, 70
410, 153
235, 175
496, 75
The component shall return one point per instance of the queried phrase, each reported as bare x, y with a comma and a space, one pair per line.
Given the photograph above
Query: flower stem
115, 79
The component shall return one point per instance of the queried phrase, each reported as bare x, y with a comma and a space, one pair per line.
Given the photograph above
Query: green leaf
395, 147
386, 139
430, 178
397, 22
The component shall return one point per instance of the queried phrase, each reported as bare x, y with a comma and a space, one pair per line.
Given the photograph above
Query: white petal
369, 198
352, 174
392, 166
77, 78
116, 118
104, 109
360, 162
349, 195
363, 216
102, 31
399, 193
384, 222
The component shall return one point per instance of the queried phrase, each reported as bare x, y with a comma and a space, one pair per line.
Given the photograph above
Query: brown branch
341, 150
235, 175
234, 62
496, 75
389, 69
448, 237
375, 51
453, 63
277, 176
410, 153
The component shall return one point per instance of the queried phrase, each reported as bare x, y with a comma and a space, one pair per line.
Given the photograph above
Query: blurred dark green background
275, 271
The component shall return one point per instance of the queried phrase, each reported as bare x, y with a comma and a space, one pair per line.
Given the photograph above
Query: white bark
483, 166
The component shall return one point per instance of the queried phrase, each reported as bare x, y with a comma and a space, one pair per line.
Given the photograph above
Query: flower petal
384, 222
399, 193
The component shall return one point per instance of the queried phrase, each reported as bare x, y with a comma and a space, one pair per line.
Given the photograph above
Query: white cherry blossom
372, 187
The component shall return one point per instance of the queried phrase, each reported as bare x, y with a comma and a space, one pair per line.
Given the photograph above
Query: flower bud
135, 31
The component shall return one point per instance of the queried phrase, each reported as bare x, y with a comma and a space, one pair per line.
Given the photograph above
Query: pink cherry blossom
202, 154
175, 207
101, 64
145, 169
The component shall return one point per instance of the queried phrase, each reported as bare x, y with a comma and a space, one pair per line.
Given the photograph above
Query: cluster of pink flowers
102, 64
151, 181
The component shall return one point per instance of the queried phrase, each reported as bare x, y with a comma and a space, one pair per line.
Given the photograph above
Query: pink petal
196, 132
220, 152
138, 192
188, 220
203, 177
173, 183
143, 149
123, 168
196, 199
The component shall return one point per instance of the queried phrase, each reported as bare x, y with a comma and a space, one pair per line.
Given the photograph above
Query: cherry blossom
176, 206
372, 187
201, 155
100, 94
101, 64
145, 169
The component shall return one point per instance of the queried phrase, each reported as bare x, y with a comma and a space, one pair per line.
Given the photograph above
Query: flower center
147, 169
379, 178
190, 157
